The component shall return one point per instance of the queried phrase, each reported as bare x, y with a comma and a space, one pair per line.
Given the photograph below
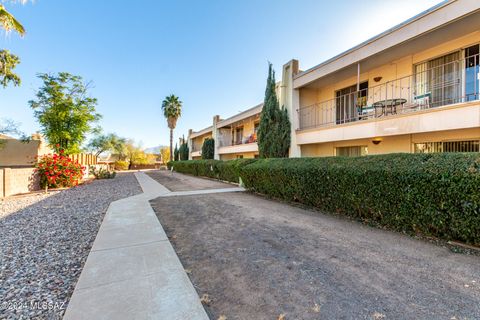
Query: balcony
238, 145
447, 84
225, 141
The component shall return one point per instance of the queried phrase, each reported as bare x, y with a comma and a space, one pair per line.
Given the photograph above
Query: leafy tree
165, 153
183, 150
64, 110
7, 126
132, 153
208, 149
8, 62
172, 110
274, 127
175, 153
9, 23
106, 142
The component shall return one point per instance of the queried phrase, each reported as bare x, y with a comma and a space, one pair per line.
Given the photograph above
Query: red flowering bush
58, 171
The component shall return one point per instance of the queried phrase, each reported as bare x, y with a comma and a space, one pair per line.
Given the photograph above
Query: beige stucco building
235, 137
413, 88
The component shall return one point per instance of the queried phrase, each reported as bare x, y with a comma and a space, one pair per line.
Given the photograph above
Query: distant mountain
154, 150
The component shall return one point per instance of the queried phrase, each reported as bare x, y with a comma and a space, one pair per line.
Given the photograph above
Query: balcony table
388, 103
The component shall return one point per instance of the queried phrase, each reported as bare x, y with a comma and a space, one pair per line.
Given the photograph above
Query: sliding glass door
348, 101
439, 79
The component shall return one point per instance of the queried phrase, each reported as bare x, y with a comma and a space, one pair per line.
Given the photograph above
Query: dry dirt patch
258, 259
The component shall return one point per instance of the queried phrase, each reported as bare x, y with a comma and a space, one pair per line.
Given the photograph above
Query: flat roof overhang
202, 132
448, 22
241, 116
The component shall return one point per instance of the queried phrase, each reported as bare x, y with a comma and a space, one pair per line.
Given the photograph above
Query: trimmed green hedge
433, 194
217, 169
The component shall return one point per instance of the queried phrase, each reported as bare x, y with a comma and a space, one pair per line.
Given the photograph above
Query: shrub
121, 165
208, 149
222, 170
432, 194
102, 173
176, 154
183, 151
58, 171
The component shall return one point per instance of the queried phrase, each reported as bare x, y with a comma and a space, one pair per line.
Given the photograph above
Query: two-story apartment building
195, 141
235, 137
413, 88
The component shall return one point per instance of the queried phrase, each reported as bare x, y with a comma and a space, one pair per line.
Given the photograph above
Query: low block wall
18, 180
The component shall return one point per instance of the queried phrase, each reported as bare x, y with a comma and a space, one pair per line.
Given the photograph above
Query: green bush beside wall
434, 194
217, 169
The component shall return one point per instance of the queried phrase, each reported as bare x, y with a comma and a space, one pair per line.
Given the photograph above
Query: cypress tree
208, 149
175, 153
274, 127
183, 150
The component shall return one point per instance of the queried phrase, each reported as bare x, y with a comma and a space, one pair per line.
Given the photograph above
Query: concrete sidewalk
132, 271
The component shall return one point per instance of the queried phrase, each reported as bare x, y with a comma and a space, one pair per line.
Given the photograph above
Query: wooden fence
85, 159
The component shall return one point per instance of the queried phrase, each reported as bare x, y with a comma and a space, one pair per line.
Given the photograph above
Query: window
240, 156
355, 151
448, 146
238, 135
255, 127
437, 81
348, 100
472, 73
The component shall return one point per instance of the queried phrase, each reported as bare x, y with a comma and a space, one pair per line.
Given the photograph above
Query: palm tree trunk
171, 144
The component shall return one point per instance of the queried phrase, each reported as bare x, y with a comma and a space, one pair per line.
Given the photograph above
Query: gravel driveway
44, 245
257, 259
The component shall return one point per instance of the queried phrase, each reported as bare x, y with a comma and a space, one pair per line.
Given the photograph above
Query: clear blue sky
212, 54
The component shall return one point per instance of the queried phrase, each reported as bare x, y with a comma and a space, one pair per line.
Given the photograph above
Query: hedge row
217, 169
432, 194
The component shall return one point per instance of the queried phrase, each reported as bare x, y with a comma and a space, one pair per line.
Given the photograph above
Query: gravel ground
45, 243
180, 182
257, 259
15, 203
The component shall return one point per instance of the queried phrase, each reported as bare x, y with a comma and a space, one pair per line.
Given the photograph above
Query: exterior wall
197, 142
289, 99
18, 180
232, 156
395, 69
461, 116
15, 153
392, 144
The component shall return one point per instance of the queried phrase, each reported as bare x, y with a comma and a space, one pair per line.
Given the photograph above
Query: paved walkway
132, 271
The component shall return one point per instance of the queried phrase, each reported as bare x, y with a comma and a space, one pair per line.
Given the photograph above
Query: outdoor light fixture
376, 141
376, 79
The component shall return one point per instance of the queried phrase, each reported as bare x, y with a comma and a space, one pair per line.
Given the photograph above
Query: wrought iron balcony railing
450, 83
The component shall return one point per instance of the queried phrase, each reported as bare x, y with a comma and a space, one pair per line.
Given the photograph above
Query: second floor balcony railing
450, 83
226, 141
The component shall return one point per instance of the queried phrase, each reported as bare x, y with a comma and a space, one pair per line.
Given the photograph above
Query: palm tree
8, 22
172, 109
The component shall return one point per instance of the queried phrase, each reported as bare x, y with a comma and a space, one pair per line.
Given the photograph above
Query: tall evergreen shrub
274, 129
208, 149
